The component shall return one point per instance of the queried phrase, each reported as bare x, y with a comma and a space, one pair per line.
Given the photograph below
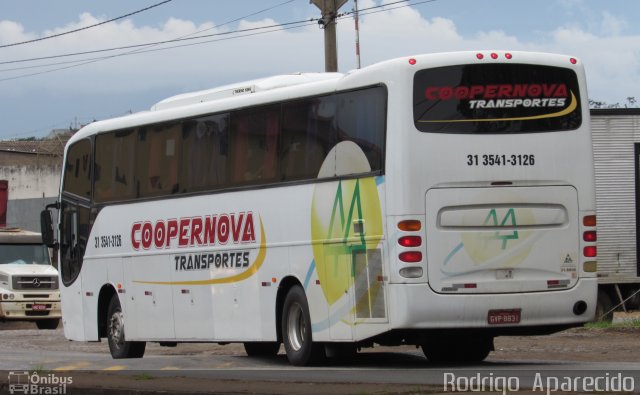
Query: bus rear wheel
296, 330
118, 346
261, 349
457, 350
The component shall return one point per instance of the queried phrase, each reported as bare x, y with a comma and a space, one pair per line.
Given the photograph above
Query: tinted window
496, 98
254, 146
77, 169
205, 153
362, 119
158, 157
308, 134
114, 168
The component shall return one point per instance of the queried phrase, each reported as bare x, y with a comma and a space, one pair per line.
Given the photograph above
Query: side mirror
46, 228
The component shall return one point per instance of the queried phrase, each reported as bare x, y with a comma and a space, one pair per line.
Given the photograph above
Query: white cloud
612, 58
13, 32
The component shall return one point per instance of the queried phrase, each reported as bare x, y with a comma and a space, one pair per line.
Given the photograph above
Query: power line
277, 27
83, 62
183, 38
86, 27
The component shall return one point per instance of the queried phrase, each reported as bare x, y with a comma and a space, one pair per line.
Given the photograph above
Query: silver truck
616, 149
28, 282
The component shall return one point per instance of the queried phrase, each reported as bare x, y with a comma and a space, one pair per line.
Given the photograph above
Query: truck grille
35, 282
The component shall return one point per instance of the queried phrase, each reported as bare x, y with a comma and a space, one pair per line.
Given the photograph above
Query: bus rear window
496, 98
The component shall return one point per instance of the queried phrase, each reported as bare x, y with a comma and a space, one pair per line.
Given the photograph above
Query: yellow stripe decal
238, 277
572, 106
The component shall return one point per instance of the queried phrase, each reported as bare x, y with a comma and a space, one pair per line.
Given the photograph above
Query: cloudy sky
62, 91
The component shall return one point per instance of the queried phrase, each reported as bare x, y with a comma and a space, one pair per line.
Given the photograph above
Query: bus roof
253, 86
281, 87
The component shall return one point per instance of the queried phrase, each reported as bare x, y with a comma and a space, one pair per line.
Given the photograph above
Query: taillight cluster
410, 251
590, 236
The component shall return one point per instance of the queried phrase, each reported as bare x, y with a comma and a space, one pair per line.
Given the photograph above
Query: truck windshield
25, 254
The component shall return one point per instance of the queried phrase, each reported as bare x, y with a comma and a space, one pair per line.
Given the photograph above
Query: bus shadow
390, 360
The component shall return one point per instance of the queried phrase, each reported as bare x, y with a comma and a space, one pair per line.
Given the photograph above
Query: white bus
438, 200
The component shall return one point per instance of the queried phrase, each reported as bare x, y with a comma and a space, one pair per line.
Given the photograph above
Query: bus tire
296, 330
118, 346
603, 307
457, 350
51, 323
261, 349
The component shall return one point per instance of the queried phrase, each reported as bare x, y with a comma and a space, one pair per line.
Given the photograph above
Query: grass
635, 323
143, 376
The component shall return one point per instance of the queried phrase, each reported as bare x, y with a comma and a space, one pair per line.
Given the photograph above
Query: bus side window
205, 153
77, 169
114, 178
361, 119
254, 145
307, 136
158, 163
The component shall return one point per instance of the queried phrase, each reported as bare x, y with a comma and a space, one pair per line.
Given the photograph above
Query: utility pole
329, 10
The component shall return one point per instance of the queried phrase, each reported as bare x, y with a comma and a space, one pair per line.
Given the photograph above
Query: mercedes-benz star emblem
36, 282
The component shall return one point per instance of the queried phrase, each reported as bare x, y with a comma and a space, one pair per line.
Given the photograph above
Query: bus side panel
72, 310
93, 274
153, 301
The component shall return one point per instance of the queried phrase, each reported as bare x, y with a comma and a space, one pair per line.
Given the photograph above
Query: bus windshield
496, 98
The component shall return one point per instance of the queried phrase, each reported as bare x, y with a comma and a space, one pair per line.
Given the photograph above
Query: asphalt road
209, 367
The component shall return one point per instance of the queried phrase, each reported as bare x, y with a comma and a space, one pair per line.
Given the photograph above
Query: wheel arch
107, 292
285, 285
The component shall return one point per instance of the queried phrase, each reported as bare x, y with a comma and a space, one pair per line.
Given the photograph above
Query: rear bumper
425, 309
23, 310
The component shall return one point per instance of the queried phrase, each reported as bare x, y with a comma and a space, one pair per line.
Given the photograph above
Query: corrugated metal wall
614, 136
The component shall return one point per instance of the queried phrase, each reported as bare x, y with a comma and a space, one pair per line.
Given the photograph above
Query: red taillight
410, 241
508, 55
589, 220
410, 225
590, 251
573, 60
590, 236
412, 61
480, 56
494, 56
410, 256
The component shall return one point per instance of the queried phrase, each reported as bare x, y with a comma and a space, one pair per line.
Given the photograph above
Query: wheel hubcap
296, 327
116, 328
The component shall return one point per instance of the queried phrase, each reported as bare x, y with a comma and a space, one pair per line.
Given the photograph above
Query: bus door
75, 226
74, 234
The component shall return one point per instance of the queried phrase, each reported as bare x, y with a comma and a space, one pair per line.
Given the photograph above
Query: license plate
38, 307
504, 317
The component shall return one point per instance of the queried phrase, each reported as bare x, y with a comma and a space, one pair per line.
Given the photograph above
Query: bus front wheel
118, 346
296, 330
